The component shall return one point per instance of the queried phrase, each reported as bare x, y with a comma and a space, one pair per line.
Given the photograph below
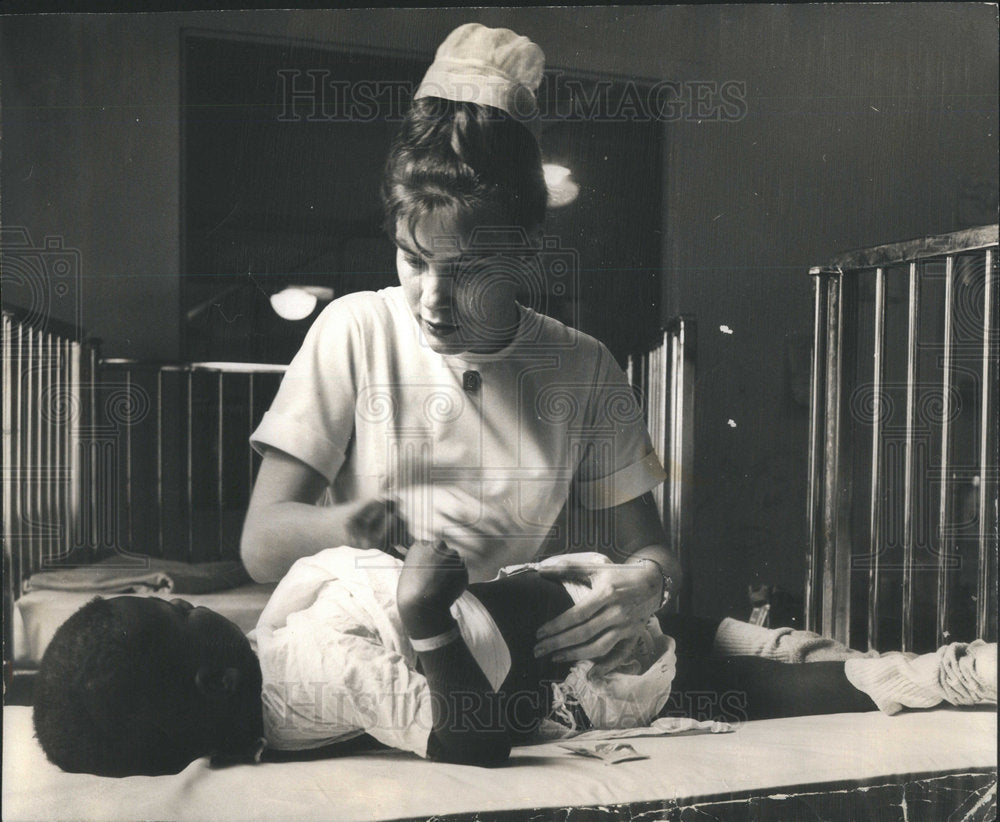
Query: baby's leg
741, 688
736, 638
520, 605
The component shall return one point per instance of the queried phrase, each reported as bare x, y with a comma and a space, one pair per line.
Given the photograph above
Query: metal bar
159, 460
95, 496
190, 468
76, 423
687, 336
34, 444
812, 599
840, 476
875, 502
218, 462
987, 450
909, 457
945, 530
250, 421
674, 455
9, 465
128, 459
913, 250
663, 421
59, 435
45, 543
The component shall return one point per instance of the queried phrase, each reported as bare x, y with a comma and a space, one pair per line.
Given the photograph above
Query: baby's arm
468, 725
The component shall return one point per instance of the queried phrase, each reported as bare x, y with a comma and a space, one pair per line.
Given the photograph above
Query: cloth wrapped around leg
959, 673
735, 638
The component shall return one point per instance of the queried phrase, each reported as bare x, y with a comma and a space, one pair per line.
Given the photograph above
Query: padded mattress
917, 765
38, 614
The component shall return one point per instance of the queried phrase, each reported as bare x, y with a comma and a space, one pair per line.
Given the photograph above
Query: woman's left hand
600, 626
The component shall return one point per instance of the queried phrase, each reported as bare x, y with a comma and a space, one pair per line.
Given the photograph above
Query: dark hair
112, 703
465, 157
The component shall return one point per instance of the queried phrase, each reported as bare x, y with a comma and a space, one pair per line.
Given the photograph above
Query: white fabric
764, 757
336, 661
491, 67
371, 407
958, 673
736, 638
37, 616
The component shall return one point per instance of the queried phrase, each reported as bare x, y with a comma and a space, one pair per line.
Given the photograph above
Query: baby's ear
213, 681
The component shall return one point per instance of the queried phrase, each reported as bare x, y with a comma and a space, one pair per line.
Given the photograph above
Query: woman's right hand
377, 524
284, 522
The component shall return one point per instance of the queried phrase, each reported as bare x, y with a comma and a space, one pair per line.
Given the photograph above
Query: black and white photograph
500, 413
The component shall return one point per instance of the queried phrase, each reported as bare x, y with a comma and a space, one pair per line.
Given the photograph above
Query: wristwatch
667, 582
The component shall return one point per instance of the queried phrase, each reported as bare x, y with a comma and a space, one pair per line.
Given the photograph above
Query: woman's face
463, 297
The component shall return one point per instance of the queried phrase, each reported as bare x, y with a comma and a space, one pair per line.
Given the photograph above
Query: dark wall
864, 125
90, 156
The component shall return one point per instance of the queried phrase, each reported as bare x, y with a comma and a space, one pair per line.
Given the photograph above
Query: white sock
959, 673
736, 638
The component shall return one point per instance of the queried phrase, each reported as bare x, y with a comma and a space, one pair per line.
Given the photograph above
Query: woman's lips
440, 329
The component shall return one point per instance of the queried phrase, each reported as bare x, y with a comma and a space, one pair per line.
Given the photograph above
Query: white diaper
632, 695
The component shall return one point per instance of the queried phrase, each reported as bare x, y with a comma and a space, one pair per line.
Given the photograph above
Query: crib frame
839, 430
664, 380
75, 427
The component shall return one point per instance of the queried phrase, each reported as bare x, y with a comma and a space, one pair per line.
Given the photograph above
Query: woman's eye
412, 261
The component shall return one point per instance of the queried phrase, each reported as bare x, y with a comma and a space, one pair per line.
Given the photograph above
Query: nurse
444, 409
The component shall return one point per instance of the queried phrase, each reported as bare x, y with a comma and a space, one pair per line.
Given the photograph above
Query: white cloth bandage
432, 643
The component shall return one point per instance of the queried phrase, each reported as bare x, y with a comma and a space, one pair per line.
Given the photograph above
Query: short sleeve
312, 415
618, 462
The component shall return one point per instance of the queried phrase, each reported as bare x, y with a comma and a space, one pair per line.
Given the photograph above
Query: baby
356, 643
352, 642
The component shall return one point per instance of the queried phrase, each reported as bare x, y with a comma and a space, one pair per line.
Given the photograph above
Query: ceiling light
562, 189
299, 301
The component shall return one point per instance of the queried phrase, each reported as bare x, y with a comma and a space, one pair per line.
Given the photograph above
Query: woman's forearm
277, 534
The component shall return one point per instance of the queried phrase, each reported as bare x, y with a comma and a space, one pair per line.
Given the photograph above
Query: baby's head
141, 685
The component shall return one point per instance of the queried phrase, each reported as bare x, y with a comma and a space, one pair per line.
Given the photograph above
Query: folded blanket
130, 575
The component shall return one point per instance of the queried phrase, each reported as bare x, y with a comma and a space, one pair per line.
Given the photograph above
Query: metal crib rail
903, 507
664, 379
46, 366
175, 437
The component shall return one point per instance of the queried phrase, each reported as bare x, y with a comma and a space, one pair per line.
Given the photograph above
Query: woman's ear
213, 681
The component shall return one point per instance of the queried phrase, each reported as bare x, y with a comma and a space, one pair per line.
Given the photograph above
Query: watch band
666, 581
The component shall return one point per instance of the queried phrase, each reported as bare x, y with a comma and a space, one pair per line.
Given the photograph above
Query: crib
128, 466
903, 444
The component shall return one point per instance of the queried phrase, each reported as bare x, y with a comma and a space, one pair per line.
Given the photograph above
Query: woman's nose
436, 290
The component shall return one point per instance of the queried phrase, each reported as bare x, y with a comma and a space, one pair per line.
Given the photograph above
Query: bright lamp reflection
299, 301
562, 189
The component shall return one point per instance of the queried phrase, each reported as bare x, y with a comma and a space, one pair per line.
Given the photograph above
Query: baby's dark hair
465, 157
114, 703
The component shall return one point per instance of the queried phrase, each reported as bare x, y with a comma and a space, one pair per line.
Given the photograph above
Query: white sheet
762, 755
38, 614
